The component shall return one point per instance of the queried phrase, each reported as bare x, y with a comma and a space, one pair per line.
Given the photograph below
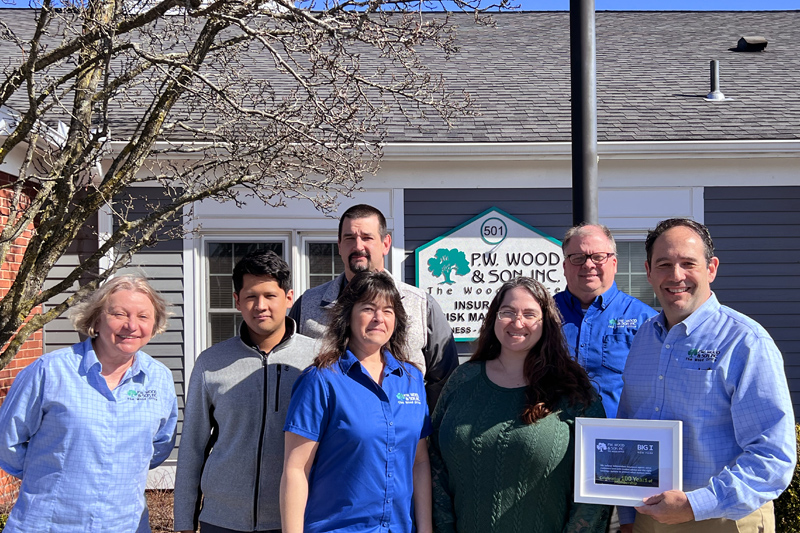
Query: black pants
210, 528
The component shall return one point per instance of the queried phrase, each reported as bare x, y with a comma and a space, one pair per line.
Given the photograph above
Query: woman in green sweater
502, 448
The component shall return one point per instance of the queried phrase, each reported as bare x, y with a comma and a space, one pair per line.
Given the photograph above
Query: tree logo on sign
448, 262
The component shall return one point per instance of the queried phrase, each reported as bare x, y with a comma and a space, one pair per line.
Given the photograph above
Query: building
664, 151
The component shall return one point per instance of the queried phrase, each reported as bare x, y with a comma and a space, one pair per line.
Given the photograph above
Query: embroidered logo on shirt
702, 356
623, 323
409, 398
151, 394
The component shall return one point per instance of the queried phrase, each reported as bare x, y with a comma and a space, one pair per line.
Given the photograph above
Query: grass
159, 502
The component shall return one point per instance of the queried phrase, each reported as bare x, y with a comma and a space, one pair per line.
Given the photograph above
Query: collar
90, 360
89, 356
709, 308
244, 334
348, 359
602, 301
337, 286
333, 291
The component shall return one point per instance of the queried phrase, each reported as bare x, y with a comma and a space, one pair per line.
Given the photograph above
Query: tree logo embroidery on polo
151, 394
623, 323
704, 356
409, 398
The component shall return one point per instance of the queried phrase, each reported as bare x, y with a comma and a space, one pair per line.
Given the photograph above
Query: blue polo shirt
601, 338
362, 476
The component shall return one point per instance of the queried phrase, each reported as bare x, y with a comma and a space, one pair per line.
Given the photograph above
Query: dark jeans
210, 528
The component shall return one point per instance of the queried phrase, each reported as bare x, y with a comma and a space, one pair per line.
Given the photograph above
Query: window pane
631, 275
224, 321
324, 263
223, 326
241, 249
220, 290
220, 258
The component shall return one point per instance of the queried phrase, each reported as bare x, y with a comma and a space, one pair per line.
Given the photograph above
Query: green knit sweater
494, 474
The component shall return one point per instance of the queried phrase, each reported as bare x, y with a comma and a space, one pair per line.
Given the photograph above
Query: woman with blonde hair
503, 436
82, 426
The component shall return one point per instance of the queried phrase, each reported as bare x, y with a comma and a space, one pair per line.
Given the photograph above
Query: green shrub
787, 506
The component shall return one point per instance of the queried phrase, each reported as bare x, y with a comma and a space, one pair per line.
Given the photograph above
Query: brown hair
551, 372
364, 287
364, 211
664, 225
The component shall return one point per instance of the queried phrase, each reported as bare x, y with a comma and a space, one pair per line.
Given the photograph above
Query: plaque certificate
620, 462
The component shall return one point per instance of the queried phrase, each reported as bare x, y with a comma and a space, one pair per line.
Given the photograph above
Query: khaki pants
761, 520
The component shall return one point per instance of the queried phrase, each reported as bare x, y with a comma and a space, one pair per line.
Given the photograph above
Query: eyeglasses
512, 316
597, 258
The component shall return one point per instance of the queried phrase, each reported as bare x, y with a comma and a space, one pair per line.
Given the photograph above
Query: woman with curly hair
503, 438
356, 457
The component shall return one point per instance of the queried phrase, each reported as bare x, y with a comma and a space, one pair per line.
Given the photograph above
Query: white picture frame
621, 462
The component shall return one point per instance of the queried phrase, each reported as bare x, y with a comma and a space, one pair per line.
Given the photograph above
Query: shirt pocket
615, 350
692, 383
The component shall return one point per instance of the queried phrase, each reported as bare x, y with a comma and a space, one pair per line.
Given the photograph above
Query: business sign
464, 268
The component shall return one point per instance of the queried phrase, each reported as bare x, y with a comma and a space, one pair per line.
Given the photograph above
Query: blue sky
660, 5
623, 5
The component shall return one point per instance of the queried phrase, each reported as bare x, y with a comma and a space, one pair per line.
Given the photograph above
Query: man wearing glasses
598, 320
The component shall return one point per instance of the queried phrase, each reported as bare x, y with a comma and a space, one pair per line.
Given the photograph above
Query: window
324, 263
631, 275
223, 318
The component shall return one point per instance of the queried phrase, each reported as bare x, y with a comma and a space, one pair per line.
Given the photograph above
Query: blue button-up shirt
362, 478
82, 450
600, 338
721, 373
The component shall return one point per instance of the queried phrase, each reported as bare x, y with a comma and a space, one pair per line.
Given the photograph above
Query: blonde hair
85, 315
585, 229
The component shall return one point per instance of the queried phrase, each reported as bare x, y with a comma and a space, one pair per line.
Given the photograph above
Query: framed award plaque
621, 462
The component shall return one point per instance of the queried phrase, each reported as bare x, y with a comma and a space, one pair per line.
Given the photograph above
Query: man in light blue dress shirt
721, 374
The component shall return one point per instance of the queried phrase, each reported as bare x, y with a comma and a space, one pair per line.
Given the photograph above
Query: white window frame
202, 327
628, 236
301, 277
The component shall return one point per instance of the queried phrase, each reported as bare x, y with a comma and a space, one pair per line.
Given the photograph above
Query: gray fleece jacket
230, 457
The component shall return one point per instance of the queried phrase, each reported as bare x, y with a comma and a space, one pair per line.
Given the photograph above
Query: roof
652, 77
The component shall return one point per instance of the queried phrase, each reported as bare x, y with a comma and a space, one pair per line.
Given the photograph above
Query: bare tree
203, 98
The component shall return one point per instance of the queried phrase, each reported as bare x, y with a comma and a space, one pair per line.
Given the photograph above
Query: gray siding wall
756, 232
162, 264
430, 213
59, 333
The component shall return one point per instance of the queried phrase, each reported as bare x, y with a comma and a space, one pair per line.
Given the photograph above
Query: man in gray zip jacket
231, 449
363, 243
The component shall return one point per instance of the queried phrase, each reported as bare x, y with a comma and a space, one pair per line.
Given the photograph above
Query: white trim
698, 205
628, 211
301, 272
605, 150
201, 287
162, 477
105, 228
398, 254
191, 322
543, 150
